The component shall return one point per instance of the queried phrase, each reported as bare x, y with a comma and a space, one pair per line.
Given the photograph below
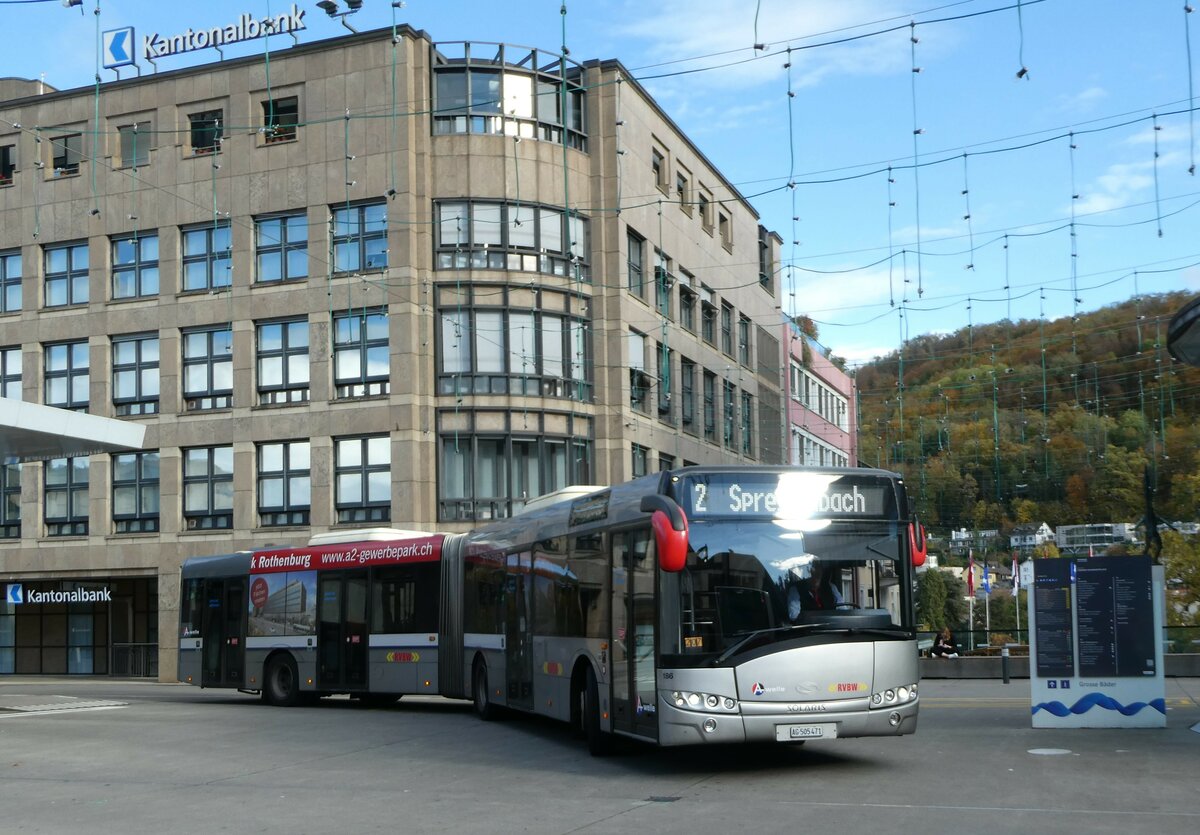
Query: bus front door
222, 625
342, 638
518, 626
634, 678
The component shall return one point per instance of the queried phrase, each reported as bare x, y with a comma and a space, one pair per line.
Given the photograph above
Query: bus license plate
792, 733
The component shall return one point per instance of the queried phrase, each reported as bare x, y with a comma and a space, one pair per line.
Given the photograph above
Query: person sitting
813, 590
944, 645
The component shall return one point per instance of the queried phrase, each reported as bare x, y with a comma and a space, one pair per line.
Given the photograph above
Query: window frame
213, 475
73, 522
10, 378
283, 247
211, 257
359, 341
66, 154
635, 264
8, 164
361, 240
206, 124
142, 519
287, 390
136, 157
211, 397
366, 509
562, 251
275, 115
142, 269
10, 501
290, 512
142, 402
74, 278
10, 284
75, 378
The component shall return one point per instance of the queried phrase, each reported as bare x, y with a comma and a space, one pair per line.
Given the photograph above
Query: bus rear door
518, 661
342, 638
222, 628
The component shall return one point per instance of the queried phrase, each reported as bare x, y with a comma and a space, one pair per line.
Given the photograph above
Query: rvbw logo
15, 594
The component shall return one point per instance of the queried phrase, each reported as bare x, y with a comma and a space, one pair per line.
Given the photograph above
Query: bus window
405, 599
483, 594
590, 565
192, 607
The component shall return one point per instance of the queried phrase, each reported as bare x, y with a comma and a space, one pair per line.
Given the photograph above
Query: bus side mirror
917, 546
670, 531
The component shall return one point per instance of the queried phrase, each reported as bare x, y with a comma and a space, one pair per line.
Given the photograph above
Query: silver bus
704, 605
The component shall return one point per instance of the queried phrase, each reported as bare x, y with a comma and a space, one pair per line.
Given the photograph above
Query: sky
1057, 192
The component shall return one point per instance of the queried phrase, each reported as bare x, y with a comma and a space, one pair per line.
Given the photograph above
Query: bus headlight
894, 696
709, 702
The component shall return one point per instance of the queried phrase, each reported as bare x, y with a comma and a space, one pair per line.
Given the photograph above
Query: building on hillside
1024, 538
1080, 540
821, 405
964, 540
373, 280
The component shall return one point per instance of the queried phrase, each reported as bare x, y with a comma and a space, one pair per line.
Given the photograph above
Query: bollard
1004, 663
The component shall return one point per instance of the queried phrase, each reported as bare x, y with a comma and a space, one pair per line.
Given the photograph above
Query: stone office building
370, 281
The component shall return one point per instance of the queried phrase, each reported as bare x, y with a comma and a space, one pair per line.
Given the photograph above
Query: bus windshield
744, 577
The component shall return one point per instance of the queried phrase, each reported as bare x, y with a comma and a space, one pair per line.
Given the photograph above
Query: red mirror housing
917, 546
672, 544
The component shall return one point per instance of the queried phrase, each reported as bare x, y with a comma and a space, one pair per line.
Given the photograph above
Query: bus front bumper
784, 723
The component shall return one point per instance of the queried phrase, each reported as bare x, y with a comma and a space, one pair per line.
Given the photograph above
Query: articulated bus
698, 606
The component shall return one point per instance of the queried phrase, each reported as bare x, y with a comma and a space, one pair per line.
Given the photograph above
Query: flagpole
971, 622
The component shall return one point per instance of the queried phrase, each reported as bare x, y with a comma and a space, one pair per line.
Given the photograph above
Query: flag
987, 585
1016, 577
970, 573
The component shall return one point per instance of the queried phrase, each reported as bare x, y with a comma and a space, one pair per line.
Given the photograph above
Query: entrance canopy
32, 432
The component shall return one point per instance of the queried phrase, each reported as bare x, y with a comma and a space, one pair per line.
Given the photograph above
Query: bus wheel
479, 688
600, 742
281, 684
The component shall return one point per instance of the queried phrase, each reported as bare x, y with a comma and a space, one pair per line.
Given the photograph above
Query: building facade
374, 280
821, 401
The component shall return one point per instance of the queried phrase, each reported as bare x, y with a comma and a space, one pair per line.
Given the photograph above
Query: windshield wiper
755, 635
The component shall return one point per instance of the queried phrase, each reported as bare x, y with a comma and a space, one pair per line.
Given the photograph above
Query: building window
66, 275
708, 317
706, 218
135, 486
135, 375
639, 379
207, 263
664, 383
8, 164
66, 496
683, 191
208, 368
10, 501
10, 281
687, 305
663, 282
281, 247
208, 488
205, 131
284, 483
360, 238
135, 144
665, 462
636, 281
66, 151
729, 402
727, 329
360, 354
725, 227
363, 479
658, 167
687, 385
747, 424
710, 406
639, 466
135, 266
10, 373
507, 90
283, 366
744, 341
486, 235
476, 481
67, 377
765, 272
280, 118
530, 352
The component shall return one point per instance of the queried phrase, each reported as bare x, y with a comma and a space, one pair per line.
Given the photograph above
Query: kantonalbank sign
17, 594
246, 28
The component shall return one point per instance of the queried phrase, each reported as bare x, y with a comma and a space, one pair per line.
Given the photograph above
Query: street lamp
331, 8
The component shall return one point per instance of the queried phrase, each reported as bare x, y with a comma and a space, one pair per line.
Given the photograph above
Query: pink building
821, 405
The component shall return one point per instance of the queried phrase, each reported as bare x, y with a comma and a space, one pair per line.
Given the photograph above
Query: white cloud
1167, 135
1083, 100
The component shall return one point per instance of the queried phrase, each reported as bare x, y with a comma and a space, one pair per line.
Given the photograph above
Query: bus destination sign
789, 496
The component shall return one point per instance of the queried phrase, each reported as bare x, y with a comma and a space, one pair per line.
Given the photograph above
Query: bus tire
599, 741
281, 683
484, 708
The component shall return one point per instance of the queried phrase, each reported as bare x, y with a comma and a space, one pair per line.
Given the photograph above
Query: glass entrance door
222, 627
342, 637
